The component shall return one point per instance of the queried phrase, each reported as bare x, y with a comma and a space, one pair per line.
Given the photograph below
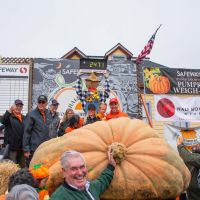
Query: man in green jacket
76, 186
192, 161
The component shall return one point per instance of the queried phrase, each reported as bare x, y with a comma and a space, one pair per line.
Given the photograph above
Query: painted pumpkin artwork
159, 84
147, 167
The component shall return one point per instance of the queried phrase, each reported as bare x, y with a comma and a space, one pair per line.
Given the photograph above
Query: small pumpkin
148, 168
159, 84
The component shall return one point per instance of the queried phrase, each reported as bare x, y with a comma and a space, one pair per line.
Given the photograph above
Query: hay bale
7, 168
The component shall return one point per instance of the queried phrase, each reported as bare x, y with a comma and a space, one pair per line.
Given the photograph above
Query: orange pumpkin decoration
147, 168
159, 84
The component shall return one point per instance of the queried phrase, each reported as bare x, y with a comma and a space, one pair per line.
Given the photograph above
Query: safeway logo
14, 70
23, 70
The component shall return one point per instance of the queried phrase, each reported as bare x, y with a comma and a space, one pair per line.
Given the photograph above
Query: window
182, 124
119, 57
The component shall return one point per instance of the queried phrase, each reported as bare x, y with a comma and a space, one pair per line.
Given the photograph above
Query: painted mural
56, 78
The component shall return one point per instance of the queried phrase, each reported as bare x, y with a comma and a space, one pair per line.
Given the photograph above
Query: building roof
119, 46
75, 50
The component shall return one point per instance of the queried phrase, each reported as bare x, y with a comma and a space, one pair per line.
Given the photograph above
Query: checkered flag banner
147, 49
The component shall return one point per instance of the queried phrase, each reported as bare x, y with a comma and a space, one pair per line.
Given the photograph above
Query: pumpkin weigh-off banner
171, 81
172, 108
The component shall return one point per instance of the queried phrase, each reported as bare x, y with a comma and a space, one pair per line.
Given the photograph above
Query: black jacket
14, 130
192, 161
36, 131
90, 120
53, 128
63, 126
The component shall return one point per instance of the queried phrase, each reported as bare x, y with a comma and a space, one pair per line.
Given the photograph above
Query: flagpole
146, 51
158, 28
139, 116
146, 111
140, 98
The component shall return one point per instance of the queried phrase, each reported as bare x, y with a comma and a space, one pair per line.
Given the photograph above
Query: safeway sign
171, 108
14, 70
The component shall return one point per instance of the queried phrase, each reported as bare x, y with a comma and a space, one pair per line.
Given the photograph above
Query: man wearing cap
36, 129
91, 94
114, 110
14, 130
55, 120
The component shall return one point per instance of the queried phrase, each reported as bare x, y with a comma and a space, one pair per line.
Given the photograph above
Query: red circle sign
165, 108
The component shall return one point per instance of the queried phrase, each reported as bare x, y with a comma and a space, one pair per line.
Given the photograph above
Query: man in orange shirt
114, 110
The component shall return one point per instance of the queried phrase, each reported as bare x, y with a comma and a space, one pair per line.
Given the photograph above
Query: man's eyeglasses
41, 102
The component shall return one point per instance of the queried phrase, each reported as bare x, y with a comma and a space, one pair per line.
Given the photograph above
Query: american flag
147, 49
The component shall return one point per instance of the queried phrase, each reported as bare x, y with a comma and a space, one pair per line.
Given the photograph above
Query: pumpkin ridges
104, 133
143, 147
136, 178
117, 179
96, 160
170, 157
77, 145
141, 133
118, 131
128, 138
163, 168
123, 174
96, 171
147, 178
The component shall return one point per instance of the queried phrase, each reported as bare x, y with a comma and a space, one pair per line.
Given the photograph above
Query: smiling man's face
76, 172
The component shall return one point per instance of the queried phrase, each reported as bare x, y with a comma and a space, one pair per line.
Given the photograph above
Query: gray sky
50, 28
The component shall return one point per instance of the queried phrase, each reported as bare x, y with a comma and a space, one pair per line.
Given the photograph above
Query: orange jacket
2, 197
115, 115
43, 195
69, 129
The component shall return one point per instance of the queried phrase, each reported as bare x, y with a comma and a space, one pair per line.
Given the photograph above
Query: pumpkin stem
119, 151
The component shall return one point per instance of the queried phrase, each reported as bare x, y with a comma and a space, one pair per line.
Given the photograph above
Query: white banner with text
172, 108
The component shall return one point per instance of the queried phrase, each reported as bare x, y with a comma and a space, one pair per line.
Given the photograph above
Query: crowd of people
25, 133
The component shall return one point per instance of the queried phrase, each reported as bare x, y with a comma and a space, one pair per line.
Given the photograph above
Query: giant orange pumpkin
147, 168
159, 84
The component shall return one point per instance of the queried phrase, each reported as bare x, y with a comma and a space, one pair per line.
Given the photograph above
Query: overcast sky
51, 28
